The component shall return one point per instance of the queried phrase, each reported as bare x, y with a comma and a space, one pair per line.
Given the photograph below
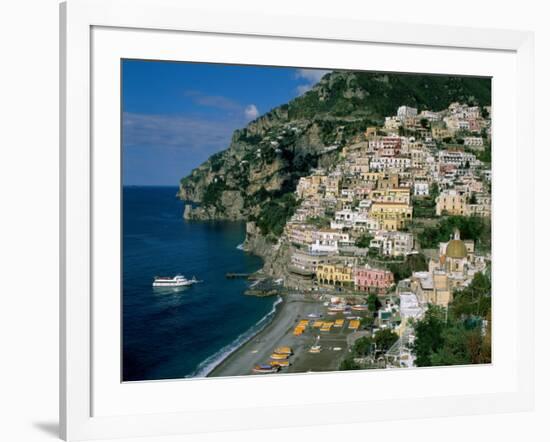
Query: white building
457, 158
399, 164
394, 243
430, 116
421, 188
406, 112
409, 307
473, 141
327, 240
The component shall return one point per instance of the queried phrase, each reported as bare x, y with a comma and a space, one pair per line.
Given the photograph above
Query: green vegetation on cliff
416, 262
470, 227
376, 95
275, 213
461, 335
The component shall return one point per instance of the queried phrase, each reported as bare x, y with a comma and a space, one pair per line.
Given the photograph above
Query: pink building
372, 280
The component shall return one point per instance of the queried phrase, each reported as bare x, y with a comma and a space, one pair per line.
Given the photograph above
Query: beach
280, 332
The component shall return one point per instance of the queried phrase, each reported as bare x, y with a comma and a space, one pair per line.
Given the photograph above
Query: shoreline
279, 308
219, 366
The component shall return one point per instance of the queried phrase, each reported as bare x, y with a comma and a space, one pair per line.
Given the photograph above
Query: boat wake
206, 366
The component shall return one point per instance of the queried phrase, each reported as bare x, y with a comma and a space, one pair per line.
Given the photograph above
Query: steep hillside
252, 179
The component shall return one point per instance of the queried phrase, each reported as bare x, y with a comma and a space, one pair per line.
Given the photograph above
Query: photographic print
280, 220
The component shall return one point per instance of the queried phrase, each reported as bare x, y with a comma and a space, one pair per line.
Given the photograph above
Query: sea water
173, 333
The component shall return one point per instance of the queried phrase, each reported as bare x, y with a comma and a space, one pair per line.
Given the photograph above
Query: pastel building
392, 216
334, 274
368, 279
450, 202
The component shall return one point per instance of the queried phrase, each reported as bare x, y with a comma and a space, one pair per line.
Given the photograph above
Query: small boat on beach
266, 368
279, 356
173, 281
283, 350
315, 349
280, 363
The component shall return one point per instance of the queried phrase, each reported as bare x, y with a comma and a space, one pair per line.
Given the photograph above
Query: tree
373, 303
429, 339
363, 346
275, 213
475, 299
384, 339
447, 339
434, 190
367, 321
471, 227
363, 241
415, 262
349, 364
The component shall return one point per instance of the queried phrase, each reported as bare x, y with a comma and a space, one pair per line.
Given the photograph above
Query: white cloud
215, 101
311, 76
176, 131
251, 112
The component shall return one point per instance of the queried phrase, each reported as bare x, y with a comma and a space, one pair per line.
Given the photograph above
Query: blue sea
184, 332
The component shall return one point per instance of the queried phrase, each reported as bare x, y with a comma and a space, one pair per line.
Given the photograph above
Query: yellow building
334, 274
441, 132
392, 195
390, 181
450, 202
332, 185
372, 177
391, 216
299, 233
309, 186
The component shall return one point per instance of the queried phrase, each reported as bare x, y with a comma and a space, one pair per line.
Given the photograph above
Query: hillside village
360, 224
385, 189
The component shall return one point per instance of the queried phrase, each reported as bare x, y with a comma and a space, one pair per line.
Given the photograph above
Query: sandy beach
280, 333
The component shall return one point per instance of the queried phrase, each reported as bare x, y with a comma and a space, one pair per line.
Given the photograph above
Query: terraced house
392, 216
372, 280
334, 274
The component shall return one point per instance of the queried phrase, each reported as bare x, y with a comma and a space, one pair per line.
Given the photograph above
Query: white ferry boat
176, 281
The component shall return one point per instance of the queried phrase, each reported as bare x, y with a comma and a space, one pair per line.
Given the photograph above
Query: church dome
456, 249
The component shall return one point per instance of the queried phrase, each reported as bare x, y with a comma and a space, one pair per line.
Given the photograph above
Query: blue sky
175, 115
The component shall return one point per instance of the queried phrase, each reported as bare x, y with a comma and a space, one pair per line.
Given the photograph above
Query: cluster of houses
360, 207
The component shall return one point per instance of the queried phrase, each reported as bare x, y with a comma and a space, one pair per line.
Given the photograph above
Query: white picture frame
83, 414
